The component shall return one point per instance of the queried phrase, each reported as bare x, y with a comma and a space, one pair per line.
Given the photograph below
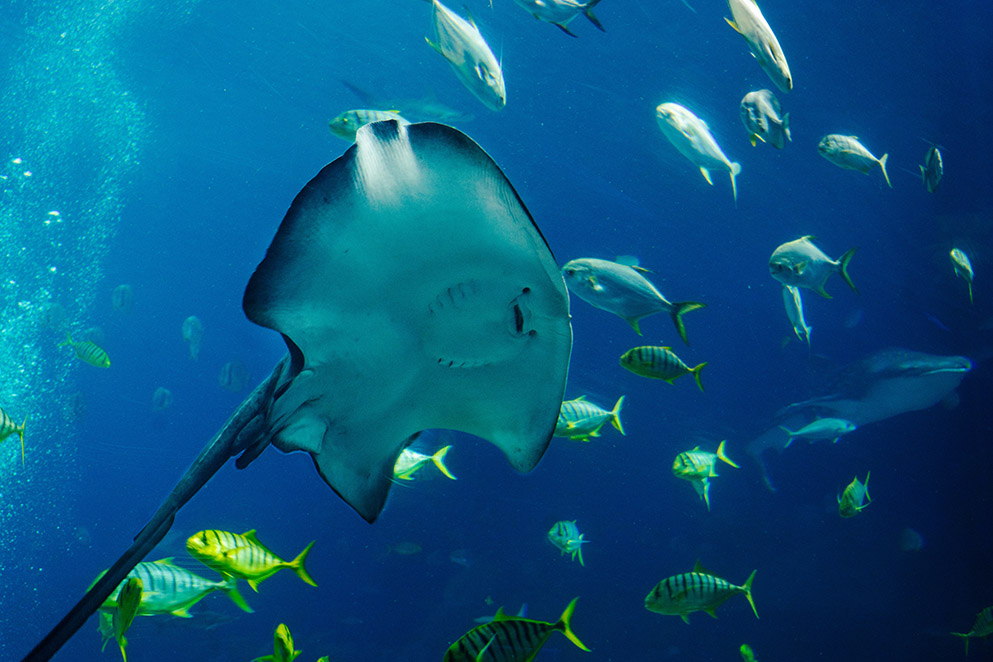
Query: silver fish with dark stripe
659, 363
510, 638
683, 594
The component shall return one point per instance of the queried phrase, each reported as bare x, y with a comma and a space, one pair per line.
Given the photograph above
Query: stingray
886, 384
414, 291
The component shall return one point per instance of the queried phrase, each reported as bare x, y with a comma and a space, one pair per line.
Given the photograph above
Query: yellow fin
732, 24
706, 175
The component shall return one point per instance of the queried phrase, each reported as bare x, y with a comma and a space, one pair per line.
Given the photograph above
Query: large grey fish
622, 290
414, 291
461, 43
561, 12
848, 153
690, 135
933, 169
763, 118
801, 264
751, 24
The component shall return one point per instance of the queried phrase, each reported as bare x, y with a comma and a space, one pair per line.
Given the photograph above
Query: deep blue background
235, 99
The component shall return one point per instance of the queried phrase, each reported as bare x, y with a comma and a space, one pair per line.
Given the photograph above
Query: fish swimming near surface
623, 290
454, 301
561, 12
751, 24
963, 267
283, 648
8, 427
690, 135
242, 555
848, 153
409, 462
566, 538
800, 263
794, 311
346, 124
510, 638
933, 169
699, 467
580, 419
659, 363
854, 498
461, 43
822, 428
128, 602
982, 628
699, 590
764, 120
88, 352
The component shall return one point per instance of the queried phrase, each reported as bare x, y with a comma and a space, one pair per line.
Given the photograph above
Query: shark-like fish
414, 291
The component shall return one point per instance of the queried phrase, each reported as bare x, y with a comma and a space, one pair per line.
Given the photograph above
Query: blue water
171, 138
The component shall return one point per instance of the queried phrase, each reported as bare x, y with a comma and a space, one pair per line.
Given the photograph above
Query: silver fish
933, 169
801, 264
751, 24
690, 135
794, 310
460, 42
848, 153
963, 267
763, 118
561, 12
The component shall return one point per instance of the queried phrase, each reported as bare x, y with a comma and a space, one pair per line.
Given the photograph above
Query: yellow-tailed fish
690, 135
580, 419
659, 363
799, 263
409, 462
794, 310
561, 12
283, 650
699, 467
963, 267
345, 124
983, 627
747, 654
510, 638
461, 43
168, 589
822, 428
848, 153
565, 536
933, 169
9, 427
763, 118
128, 602
854, 497
243, 556
88, 352
681, 595
751, 24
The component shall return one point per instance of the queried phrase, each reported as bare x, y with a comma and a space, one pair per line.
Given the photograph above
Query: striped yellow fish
128, 601
659, 363
347, 123
699, 467
409, 462
88, 351
567, 539
169, 589
854, 497
510, 638
243, 556
580, 419
681, 595
282, 647
9, 427
983, 627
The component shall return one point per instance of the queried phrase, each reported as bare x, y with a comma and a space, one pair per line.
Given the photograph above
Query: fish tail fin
748, 592
67, 341
786, 127
615, 415
722, 456
588, 12
678, 310
123, 642
882, 166
696, 374
20, 433
790, 433
230, 589
865, 486
563, 625
298, 567
843, 267
439, 461
735, 170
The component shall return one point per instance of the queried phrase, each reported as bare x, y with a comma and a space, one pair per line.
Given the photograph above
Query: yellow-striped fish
659, 363
409, 462
282, 647
347, 123
681, 595
854, 498
747, 654
9, 427
128, 601
983, 627
169, 589
507, 638
567, 539
699, 467
580, 419
243, 556
88, 351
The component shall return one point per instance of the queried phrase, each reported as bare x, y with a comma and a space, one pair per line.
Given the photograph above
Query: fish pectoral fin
706, 175
754, 138
733, 25
712, 611
434, 46
181, 613
686, 618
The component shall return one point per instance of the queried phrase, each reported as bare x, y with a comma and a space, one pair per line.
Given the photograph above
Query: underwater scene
579, 330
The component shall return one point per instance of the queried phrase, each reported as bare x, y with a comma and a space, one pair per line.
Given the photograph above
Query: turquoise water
170, 139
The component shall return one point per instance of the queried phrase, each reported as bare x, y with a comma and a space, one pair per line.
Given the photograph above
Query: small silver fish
345, 124
690, 135
751, 24
848, 153
794, 310
561, 12
460, 42
801, 264
963, 267
933, 169
823, 428
763, 118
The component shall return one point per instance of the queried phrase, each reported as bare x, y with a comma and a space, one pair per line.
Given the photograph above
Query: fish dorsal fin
695, 448
698, 567
166, 562
808, 237
501, 616
582, 397
250, 536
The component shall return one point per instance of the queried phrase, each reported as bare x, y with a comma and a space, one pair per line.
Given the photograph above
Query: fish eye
570, 272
